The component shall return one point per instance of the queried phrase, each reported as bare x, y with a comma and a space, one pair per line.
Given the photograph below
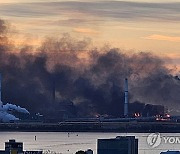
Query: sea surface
69, 143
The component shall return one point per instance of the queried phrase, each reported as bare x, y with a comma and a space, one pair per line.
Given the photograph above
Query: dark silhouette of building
13, 147
171, 152
118, 145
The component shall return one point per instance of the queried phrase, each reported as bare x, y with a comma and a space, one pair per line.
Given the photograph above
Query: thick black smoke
90, 80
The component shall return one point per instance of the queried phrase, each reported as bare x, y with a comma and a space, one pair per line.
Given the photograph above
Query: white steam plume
15, 108
7, 117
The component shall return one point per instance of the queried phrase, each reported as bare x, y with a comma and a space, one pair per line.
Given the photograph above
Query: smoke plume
5, 116
92, 79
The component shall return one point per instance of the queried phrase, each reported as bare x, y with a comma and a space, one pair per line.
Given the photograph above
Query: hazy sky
130, 24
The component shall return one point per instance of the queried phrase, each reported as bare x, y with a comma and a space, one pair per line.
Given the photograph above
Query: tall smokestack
53, 91
126, 98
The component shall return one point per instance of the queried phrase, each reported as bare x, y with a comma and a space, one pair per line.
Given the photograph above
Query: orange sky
130, 24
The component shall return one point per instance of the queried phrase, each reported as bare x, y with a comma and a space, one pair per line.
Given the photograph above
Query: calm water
69, 144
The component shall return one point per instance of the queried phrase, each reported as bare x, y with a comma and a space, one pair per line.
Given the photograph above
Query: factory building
60, 111
118, 145
13, 147
138, 109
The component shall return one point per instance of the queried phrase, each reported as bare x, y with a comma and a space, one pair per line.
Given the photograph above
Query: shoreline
114, 127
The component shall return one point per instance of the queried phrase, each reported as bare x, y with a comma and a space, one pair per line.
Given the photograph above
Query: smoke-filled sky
132, 24
69, 52
91, 78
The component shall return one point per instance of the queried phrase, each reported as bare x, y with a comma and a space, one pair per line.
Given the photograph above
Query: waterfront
69, 143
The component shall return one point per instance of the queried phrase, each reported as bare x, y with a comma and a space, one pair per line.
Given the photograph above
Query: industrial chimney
53, 91
126, 98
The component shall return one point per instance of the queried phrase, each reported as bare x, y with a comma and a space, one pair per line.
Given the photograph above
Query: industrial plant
66, 111
63, 117
68, 85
